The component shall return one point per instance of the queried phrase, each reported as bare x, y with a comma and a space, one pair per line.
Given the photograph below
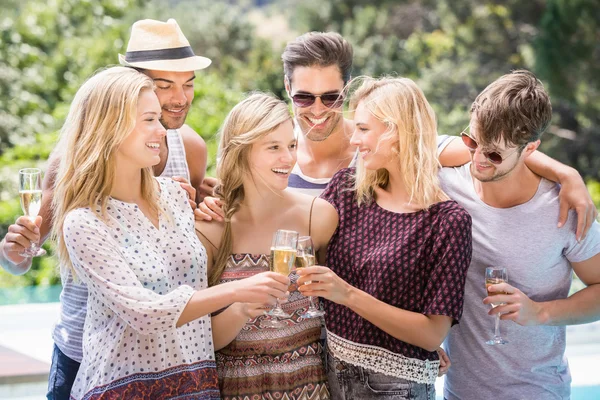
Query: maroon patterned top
414, 261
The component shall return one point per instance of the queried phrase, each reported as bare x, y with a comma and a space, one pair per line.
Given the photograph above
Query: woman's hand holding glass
305, 257
323, 283
250, 310
283, 256
264, 288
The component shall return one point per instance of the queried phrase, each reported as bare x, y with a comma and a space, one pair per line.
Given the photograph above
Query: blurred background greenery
453, 49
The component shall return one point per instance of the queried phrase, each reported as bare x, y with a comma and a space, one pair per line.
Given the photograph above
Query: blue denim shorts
349, 382
62, 375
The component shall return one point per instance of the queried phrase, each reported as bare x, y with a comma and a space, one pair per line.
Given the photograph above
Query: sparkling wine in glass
305, 257
494, 276
283, 256
30, 193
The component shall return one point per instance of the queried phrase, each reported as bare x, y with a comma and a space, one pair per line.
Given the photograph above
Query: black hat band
163, 54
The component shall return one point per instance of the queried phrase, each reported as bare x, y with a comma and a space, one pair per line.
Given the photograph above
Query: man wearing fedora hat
161, 51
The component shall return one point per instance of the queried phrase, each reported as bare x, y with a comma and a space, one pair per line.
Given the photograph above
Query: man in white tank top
161, 51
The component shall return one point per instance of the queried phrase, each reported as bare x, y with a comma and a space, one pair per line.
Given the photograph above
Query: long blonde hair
402, 106
102, 114
249, 121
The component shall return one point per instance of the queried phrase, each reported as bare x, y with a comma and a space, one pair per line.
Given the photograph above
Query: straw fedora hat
161, 46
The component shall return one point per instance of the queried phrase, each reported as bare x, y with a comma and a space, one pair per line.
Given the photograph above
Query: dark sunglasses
492, 156
329, 100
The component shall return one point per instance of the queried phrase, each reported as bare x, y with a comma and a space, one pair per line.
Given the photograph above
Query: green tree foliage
47, 49
567, 54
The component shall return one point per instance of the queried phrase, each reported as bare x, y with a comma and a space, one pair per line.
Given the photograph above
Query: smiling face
272, 158
175, 92
141, 148
317, 122
374, 139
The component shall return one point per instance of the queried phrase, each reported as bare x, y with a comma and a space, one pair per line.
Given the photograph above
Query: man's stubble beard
175, 125
493, 178
322, 137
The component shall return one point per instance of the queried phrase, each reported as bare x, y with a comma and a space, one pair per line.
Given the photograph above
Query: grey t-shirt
525, 240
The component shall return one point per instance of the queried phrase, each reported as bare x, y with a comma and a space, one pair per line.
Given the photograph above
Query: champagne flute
283, 256
30, 192
494, 276
305, 257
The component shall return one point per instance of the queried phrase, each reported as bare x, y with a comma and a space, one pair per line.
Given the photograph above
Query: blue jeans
62, 375
349, 382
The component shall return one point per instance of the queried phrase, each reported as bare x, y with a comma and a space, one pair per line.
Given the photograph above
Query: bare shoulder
210, 232
324, 209
325, 221
299, 202
191, 138
195, 146
303, 203
323, 218
195, 151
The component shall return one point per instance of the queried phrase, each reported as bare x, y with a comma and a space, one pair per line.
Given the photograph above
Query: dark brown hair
514, 108
320, 49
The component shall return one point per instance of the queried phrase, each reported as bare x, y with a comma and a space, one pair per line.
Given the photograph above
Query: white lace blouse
139, 279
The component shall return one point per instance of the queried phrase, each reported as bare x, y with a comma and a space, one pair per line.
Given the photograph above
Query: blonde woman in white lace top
129, 237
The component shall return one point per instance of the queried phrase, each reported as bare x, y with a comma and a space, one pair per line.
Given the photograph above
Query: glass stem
32, 245
497, 326
312, 304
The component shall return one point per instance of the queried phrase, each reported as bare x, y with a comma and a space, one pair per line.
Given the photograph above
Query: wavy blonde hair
403, 108
102, 114
249, 121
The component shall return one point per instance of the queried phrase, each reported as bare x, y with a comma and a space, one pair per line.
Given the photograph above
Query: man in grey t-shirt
514, 214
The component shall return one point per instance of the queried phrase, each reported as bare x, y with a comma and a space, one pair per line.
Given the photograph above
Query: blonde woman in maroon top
396, 265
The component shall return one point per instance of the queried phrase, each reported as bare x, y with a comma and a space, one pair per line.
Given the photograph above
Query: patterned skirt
272, 364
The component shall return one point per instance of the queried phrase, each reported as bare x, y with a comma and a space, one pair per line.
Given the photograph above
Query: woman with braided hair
258, 151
